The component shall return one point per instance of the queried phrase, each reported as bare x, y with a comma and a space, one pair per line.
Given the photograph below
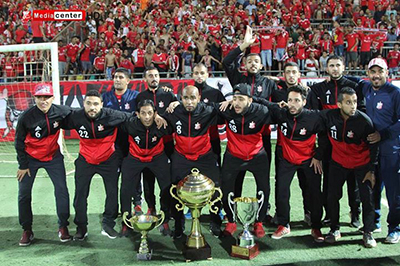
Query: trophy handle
126, 221
214, 209
161, 220
231, 203
260, 202
179, 208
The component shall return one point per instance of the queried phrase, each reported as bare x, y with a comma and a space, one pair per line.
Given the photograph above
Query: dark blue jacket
128, 101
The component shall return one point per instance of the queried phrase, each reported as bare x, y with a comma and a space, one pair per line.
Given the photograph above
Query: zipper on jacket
190, 118
336, 89
294, 127
252, 87
147, 141
154, 97
243, 136
94, 134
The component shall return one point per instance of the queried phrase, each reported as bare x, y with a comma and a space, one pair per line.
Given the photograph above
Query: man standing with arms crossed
36, 145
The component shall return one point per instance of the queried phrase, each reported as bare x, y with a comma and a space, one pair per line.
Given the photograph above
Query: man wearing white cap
36, 145
383, 107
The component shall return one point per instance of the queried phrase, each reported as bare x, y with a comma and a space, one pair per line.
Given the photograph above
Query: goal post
22, 67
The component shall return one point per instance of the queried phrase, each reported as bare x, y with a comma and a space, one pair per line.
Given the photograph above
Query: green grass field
296, 249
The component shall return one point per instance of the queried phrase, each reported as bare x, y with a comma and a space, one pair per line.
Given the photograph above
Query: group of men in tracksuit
352, 146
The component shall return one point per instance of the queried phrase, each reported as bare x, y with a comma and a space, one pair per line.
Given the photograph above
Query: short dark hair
253, 54
300, 89
345, 90
93, 93
147, 69
290, 64
200, 65
146, 102
334, 57
123, 71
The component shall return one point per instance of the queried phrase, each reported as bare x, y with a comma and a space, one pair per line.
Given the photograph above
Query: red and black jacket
160, 98
281, 94
97, 136
323, 95
350, 147
244, 131
192, 129
144, 143
297, 134
37, 133
211, 95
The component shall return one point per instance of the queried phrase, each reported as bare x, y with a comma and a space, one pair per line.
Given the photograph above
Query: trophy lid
196, 180
245, 199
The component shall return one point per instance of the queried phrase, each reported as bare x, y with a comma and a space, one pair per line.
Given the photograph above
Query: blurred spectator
84, 57
394, 59
110, 62
187, 62
99, 64
138, 58
173, 64
311, 66
72, 53
159, 60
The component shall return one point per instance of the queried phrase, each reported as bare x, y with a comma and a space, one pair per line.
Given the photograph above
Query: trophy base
245, 253
192, 254
144, 256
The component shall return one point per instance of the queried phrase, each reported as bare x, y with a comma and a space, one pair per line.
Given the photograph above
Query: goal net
22, 67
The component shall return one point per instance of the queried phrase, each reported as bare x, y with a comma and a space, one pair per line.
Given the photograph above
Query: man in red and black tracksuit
323, 95
291, 75
245, 152
261, 86
348, 130
191, 121
297, 130
97, 130
146, 151
36, 144
161, 99
208, 95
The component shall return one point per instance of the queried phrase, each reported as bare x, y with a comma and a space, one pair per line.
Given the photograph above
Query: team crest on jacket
197, 126
154, 139
137, 139
252, 125
379, 105
259, 88
205, 100
127, 106
303, 131
350, 134
100, 127
55, 124
161, 104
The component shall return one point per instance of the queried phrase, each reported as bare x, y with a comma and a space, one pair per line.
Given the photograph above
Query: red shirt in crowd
99, 63
126, 63
282, 39
366, 41
72, 51
394, 58
62, 54
338, 36
161, 57
351, 39
267, 41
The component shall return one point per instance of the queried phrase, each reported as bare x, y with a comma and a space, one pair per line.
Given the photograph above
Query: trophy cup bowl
144, 223
195, 191
245, 210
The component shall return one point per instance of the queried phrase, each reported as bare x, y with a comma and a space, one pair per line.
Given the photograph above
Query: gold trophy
245, 210
195, 191
143, 223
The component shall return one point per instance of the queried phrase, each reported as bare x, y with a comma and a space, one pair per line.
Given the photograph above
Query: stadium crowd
174, 35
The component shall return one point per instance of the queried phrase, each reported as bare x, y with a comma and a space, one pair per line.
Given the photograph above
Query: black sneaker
81, 233
215, 229
355, 220
109, 231
63, 234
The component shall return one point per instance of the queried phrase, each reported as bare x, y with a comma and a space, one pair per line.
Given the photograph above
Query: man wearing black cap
260, 86
245, 152
36, 145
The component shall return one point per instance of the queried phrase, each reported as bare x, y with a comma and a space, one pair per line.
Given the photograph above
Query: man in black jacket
352, 154
97, 130
323, 96
261, 87
146, 151
36, 144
